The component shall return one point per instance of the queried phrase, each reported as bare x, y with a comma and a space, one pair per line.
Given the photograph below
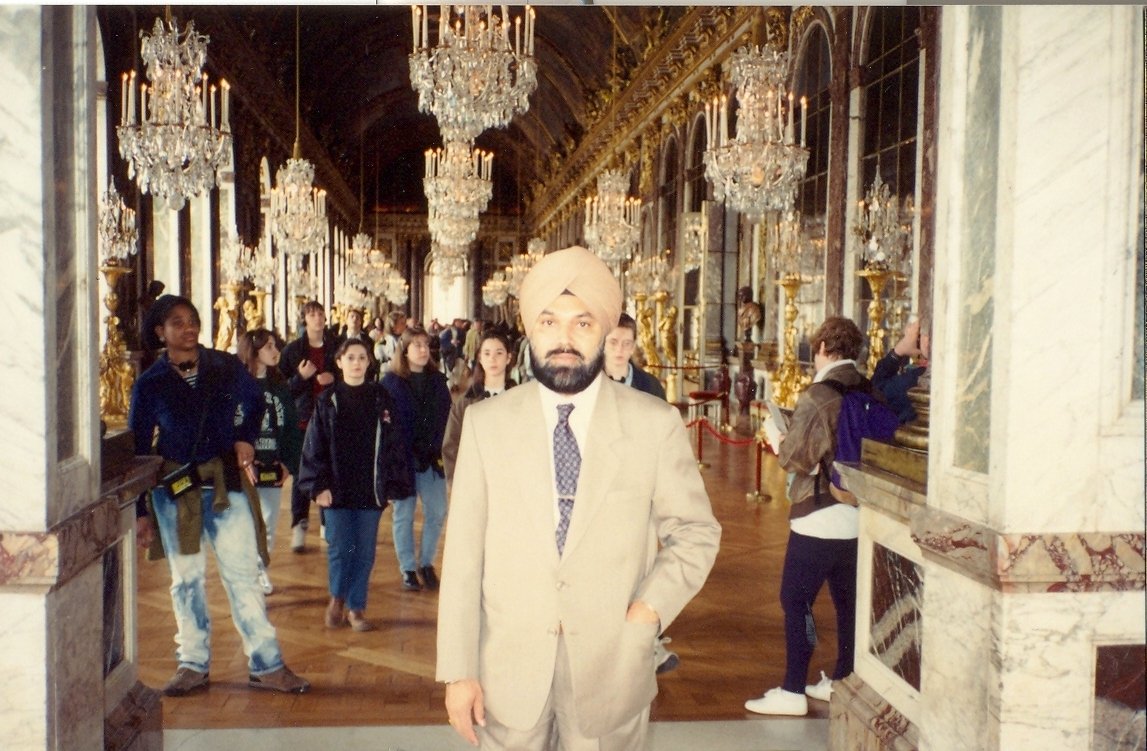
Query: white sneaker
779, 701
298, 535
822, 690
265, 581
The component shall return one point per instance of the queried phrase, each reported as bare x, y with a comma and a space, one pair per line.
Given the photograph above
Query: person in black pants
309, 366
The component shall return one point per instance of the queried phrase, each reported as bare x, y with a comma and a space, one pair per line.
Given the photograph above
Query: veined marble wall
56, 522
1030, 538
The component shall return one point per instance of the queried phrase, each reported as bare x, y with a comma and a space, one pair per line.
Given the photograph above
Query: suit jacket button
560, 586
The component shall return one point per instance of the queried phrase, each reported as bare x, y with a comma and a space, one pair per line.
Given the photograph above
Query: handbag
268, 474
180, 480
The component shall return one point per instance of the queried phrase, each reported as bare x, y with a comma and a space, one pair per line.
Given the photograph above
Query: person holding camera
200, 410
895, 373
280, 441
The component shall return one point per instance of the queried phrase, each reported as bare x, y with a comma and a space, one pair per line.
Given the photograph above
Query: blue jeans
231, 534
351, 537
432, 490
271, 500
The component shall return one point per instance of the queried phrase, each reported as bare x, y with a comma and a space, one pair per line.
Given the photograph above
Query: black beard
567, 380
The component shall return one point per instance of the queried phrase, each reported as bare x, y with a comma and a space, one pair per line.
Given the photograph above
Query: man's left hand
639, 612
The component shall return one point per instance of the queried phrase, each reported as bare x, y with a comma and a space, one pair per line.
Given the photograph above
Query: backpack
863, 414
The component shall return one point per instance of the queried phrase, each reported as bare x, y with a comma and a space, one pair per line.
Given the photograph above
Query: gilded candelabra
116, 372
118, 236
789, 380
884, 226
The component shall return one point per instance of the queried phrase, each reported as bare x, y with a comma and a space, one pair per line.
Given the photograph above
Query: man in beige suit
579, 529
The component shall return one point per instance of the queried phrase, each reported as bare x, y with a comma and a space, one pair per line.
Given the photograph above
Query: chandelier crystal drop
117, 232
480, 74
613, 219
758, 171
176, 150
447, 262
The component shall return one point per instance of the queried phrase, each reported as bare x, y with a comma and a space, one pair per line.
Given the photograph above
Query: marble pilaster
1029, 542
58, 526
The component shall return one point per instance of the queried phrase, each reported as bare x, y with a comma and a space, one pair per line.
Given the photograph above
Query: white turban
579, 272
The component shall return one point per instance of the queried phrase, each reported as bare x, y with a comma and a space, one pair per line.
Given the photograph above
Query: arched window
890, 103
814, 73
890, 79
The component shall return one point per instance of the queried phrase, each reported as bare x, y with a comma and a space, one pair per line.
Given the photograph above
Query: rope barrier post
757, 495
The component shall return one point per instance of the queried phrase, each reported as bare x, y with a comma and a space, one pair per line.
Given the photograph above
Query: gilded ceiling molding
697, 43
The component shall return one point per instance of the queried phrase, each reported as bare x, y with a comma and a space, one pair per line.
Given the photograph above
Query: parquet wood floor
730, 638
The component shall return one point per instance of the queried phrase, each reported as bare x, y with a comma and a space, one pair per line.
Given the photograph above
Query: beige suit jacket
642, 528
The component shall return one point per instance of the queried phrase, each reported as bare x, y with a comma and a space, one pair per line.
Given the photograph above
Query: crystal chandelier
759, 170
785, 239
475, 78
447, 262
459, 176
496, 290
235, 261
612, 219
178, 148
536, 248
884, 225
302, 282
118, 235
396, 290
450, 227
298, 210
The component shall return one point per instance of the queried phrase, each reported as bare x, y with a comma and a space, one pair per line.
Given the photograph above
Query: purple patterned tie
567, 464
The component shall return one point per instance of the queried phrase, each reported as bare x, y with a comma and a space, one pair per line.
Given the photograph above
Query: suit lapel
599, 465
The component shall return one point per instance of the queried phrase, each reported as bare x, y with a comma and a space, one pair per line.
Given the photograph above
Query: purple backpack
862, 415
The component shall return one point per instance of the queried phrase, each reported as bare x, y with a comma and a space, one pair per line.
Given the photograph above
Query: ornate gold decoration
789, 380
645, 331
802, 17
776, 27
914, 435
877, 278
228, 306
116, 372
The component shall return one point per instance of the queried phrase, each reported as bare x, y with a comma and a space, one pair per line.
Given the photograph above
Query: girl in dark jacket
422, 399
353, 461
490, 379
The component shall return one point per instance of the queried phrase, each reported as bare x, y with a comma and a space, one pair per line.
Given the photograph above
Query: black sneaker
429, 578
410, 581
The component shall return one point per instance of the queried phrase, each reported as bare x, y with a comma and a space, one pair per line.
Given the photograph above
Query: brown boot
359, 622
336, 615
281, 680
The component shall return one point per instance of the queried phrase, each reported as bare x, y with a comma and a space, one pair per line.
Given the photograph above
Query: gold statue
645, 332
228, 307
668, 328
252, 315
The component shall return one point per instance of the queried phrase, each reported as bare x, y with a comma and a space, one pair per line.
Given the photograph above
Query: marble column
65, 580
1002, 606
